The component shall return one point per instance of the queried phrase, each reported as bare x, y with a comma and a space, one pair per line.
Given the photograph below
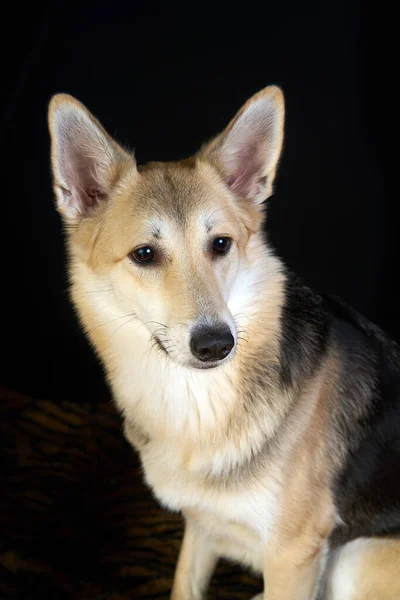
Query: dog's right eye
143, 255
221, 245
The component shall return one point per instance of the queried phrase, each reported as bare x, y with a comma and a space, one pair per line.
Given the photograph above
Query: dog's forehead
170, 201
178, 191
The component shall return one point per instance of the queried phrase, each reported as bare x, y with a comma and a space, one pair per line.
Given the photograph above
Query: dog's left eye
221, 245
144, 255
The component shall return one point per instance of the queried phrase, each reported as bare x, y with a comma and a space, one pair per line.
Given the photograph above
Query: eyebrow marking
210, 223
156, 233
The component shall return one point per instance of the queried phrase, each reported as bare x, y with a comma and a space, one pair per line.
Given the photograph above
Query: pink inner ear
80, 172
245, 178
95, 196
247, 150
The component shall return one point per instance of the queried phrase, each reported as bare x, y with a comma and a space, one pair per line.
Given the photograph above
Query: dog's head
159, 248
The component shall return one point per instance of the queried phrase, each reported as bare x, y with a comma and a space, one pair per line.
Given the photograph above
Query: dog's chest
250, 504
239, 516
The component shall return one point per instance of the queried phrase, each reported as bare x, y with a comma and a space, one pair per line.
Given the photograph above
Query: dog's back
367, 487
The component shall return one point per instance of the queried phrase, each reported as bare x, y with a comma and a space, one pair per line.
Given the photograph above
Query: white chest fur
251, 503
237, 518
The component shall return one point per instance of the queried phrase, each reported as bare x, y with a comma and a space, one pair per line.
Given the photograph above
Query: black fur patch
365, 418
367, 490
304, 331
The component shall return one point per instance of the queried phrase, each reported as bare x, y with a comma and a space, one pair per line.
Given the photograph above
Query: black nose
210, 343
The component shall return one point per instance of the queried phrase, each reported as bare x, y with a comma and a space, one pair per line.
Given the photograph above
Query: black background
163, 78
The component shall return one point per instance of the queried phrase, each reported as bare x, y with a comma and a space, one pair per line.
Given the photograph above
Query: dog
266, 413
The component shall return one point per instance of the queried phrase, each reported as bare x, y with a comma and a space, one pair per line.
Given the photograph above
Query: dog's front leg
293, 573
196, 563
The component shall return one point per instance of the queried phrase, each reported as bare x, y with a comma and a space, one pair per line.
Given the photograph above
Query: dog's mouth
209, 365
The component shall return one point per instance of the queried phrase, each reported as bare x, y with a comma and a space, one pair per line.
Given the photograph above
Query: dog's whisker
148, 322
133, 315
240, 315
122, 325
97, 292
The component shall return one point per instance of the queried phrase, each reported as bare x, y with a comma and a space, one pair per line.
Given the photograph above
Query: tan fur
366, 569
195, 566
246, 463
379, 576
307, 514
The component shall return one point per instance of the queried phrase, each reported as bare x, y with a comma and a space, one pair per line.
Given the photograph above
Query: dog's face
161, 246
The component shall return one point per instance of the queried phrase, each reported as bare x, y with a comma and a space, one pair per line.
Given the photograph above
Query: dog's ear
86, 161
247, 152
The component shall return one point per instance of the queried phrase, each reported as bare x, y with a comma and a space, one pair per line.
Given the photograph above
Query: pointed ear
86, 161
247, 152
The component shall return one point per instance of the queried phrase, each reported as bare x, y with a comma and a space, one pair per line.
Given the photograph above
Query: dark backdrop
163, 78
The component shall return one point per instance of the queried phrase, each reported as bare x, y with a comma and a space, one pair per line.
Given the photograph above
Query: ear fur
247, 152
86, 161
